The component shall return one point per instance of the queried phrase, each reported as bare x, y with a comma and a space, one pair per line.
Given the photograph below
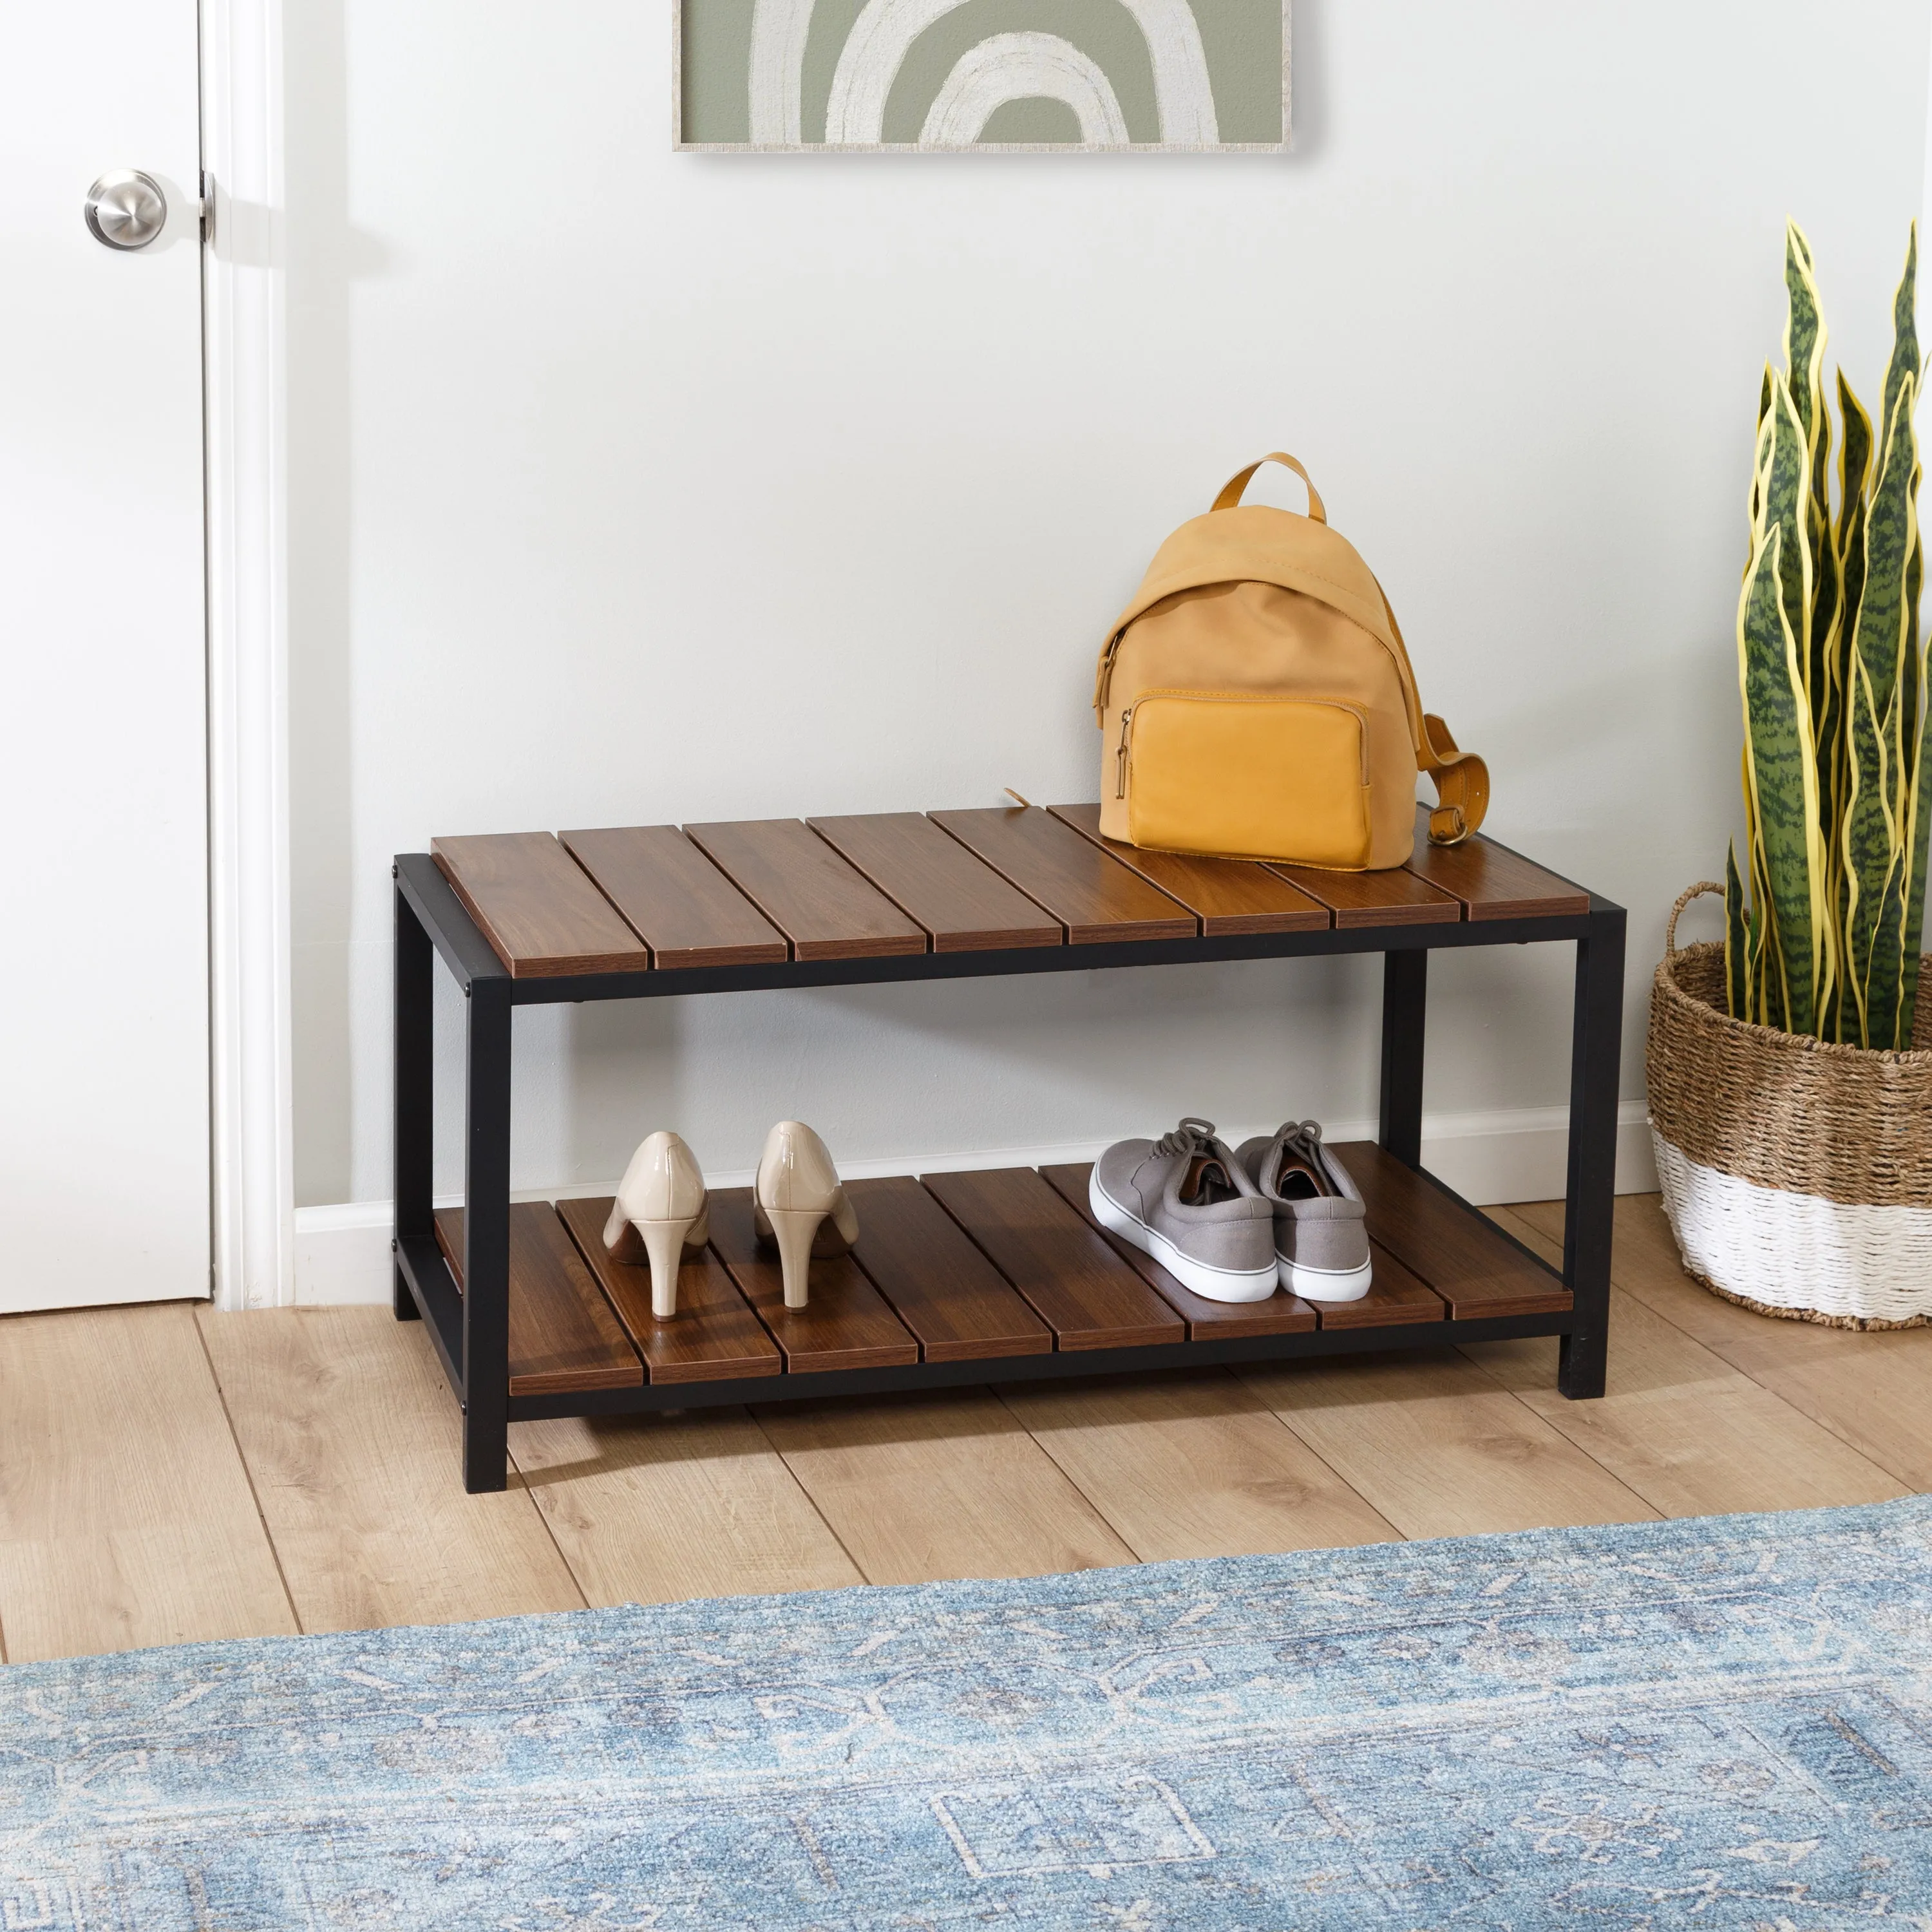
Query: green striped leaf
1737, 947
1784, 789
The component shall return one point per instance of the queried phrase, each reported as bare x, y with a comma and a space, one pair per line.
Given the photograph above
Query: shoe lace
1301, 1134
1191, 1137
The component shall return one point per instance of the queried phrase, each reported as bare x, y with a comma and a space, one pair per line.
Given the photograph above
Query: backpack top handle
1231, 497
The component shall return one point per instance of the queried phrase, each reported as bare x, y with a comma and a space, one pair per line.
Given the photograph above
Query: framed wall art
941, 76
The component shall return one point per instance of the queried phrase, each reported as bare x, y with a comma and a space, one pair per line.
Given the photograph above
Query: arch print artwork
934, 76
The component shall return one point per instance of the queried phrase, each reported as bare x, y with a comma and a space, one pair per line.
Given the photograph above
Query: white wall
630, 488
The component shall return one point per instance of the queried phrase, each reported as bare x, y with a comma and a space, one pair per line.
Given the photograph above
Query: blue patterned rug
1721, 1723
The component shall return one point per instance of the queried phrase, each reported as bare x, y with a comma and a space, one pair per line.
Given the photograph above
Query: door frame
245, 376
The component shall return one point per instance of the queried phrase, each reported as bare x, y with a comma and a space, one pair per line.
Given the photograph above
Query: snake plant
1823, 926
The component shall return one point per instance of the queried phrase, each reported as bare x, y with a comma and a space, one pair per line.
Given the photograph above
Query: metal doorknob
126, 209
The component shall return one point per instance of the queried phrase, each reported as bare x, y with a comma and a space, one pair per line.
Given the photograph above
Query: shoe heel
794, 1229
664, 1244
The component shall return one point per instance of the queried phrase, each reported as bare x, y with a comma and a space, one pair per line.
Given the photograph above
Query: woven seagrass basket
1797, 1175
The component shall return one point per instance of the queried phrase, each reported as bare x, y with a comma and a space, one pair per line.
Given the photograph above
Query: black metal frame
471, 1330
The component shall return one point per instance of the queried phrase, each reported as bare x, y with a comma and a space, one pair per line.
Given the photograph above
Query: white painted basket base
1797, 1251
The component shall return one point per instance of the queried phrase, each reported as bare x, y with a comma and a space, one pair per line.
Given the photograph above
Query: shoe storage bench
957, 1278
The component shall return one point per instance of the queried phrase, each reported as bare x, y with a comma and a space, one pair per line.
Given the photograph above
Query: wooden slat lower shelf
961, 1268
714, 1337
1084, 1292
1207, 1321
845, 1324
1475, 1267
563, 1336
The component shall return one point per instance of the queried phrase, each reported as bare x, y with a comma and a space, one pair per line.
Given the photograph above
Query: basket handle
1697, 891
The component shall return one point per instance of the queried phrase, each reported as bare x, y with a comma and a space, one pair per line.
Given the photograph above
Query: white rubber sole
1210, 1284
1325, 1284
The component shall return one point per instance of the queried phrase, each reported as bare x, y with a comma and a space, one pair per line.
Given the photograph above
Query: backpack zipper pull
1121, 761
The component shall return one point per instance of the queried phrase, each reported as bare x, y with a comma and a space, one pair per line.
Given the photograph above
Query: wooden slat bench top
1094, 896
677, 902
759, 893
541, 913
826, 908
962, 903
1225, 894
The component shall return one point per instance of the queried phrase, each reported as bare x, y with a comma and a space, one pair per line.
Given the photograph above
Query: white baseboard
342, 1252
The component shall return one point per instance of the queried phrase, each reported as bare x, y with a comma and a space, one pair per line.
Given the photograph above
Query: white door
104, 923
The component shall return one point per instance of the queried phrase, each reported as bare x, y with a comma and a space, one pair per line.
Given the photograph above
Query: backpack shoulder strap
1461, 778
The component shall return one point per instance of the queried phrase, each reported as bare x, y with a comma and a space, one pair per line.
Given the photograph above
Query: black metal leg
1595, 1069
414, 1094
1404, 1022
486, 1239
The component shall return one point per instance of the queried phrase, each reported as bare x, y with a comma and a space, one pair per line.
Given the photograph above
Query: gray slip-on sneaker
1320, 1226
1187, 1201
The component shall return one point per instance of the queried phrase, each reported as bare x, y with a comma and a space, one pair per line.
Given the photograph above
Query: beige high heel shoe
662, 1207
800, 1204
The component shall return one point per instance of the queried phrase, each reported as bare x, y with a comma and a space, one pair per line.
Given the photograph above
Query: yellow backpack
1256, 701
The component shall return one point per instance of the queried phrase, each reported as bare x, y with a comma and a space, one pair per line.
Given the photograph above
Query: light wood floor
168, 1474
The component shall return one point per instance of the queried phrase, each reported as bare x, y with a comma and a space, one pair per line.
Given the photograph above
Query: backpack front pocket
1233, 774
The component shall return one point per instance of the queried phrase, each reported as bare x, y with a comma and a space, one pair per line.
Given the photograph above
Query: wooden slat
1395, 1297
1491, 881
1474, 1267
1086, 1294
825, 908
685, 908
714, 1337
1207, 1321
1227, 894
1396, 897
1094, 897
962, 902
543, 918
845, 1324
945, 1290
563, 1336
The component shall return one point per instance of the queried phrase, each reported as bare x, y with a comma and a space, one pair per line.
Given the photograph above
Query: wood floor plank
661, 1508
945, 1291
1226, 895
1431, 1442
845, 1324
1093, 895
1491, 881
1192, 1466
714, 1337
1396, 897
1078, 1286
354, 1442
826, 909
1472, 1266
1281, 1314
960, 900
563, 1333
1868, 1389
1689, 1433
126, 1517
684, 908
541, 915
925, 1488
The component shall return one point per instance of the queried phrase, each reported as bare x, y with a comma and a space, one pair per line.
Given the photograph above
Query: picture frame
982, 76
